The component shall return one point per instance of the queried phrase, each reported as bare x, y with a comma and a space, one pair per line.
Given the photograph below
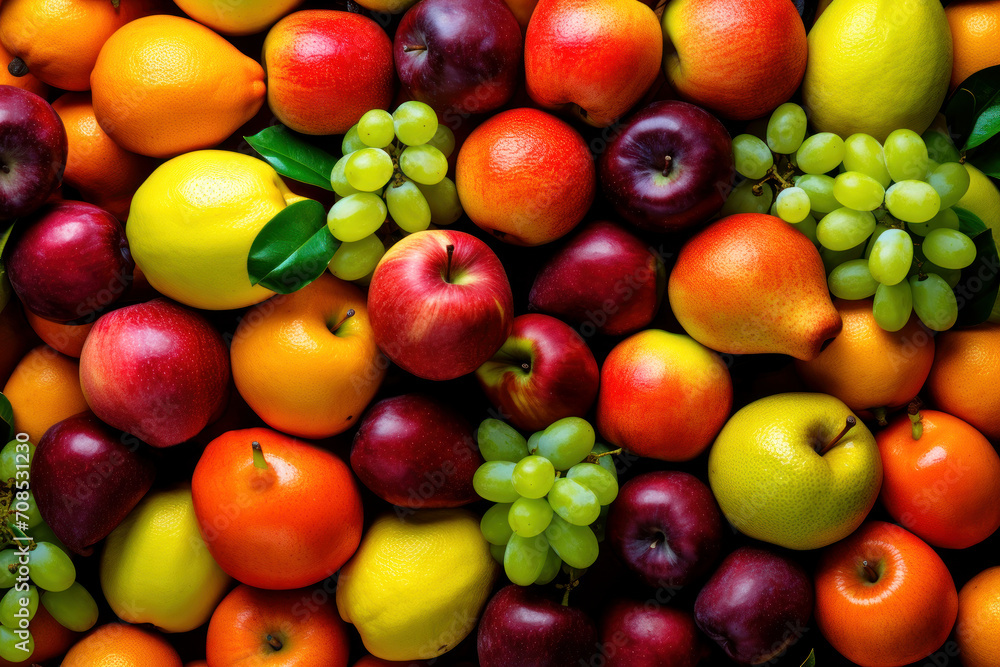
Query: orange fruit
51, 639
59, 40
29, 81
975, 37
165, 85
372, 661
944, 485
65, 338
977, 629
44, 389
104, 173
196, 663
304, 365
965, 375
525, 176
122, 645
868, 367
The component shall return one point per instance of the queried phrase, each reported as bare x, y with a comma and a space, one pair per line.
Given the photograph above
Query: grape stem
592, 457
574, 581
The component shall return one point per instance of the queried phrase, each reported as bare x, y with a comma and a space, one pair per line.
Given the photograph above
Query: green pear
798, 470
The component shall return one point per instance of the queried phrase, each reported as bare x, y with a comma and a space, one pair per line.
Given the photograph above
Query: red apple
156, 370
542, 373
440, 304
635, 634
33, 152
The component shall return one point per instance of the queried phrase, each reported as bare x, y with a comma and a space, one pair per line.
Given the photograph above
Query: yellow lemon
417, 584
877, 65
156, 568
193, 221
237, 17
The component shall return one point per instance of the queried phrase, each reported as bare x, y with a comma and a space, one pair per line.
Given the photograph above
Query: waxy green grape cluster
35, 567
881, 215
393, 164
551, 492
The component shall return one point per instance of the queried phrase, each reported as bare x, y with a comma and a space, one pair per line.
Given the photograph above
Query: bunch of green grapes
393, 164
881, 216
48, 577
550, 491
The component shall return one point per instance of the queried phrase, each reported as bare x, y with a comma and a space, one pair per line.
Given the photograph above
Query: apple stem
916, 420
17, 67
666, 165
258, 456
869, 571
451, 253
414, 47
525, 366
851, 422
274, 642
348, 315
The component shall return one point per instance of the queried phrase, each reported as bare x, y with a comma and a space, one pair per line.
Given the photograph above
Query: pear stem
851, 422
870, 572
274, 642
451, 253
348, 315
258, 456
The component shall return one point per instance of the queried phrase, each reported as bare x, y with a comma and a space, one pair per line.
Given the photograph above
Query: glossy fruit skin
265, 545
979, 618
33, 148
325, 69
904, 616
44, 389
635, 634
975, 35
238, 17
966, 367
942, 486
130, 645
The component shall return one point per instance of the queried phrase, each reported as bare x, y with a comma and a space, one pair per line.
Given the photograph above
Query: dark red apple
86, 478
636, 634
666, 526
670, 168
755, 605
520, 626
33, 152
604, 280
459, 55
70, 261
415, 451
542, 373
157, 370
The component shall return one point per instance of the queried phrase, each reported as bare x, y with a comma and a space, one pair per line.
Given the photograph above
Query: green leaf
810, 659
292, 157
987, 157
292, 249
973, 111
977, 289
7, 416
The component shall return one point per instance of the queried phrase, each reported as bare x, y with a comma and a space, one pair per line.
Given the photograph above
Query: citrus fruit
975, 36
156, 569
876, 66
44, 389
65, 338
962, 381
59, 40
102, 172
525, 176
977, 629
193, 221
122, 645
28, 81
943, 485
164, 85
237, 17
417, 584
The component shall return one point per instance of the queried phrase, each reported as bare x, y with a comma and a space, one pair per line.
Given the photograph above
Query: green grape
533, 442
566, 442
423, 164
786, 128
11, 646
931, 166
602, 483
42, 533
8, 559
834, 258
940, 147
498, 441
852, 280
912, 201
529, 516
807, 227
863, 153
574, 502
891, 256
946, 218
533, 476
415, 123
950, 276
576, 545
13, 454
934, 302
355, 260
551, 569
375, 128
752, 156
524, 558
792, 204
844, 228
17, 604
73, 608
356, 216
492, 481
951, 181
443, 200
606, 462
905, 155
879, 230
368, 169
494, 525
819, 187
443, 140
949, 248
338, 178
408, 207
51, 568
858, 191
31, 515
820, 153
892, 305
743, 200
352, 142
497, 551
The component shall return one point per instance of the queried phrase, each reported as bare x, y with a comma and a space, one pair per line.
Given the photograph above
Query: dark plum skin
33, 149
637, 634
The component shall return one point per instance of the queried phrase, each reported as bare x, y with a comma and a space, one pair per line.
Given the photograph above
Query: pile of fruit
499, 333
